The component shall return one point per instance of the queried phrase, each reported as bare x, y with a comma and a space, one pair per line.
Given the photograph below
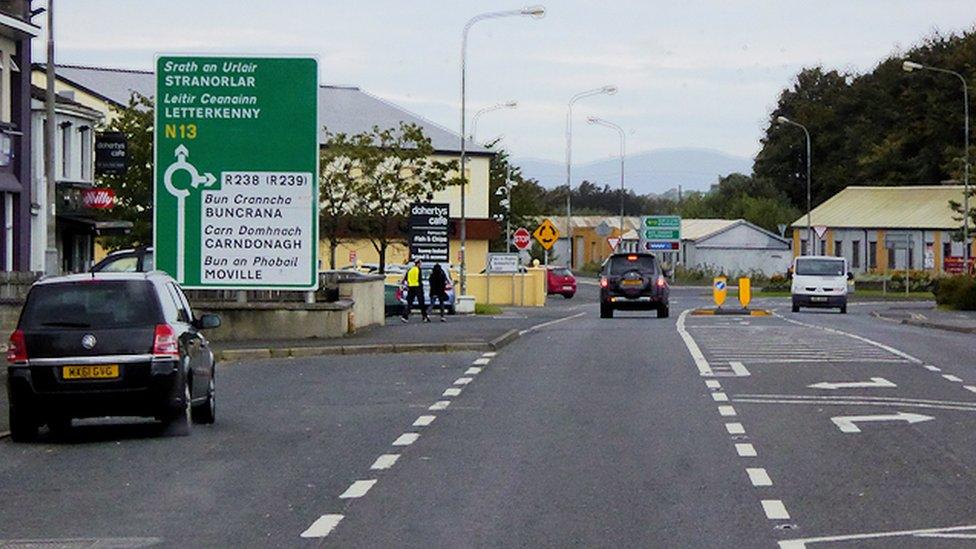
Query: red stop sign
522, 238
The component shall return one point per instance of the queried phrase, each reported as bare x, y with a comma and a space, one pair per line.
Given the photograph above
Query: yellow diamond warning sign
547, 234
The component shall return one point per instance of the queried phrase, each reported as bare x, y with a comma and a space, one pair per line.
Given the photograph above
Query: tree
134, 189
340, 183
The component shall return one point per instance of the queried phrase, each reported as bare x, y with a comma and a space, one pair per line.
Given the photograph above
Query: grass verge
486, 309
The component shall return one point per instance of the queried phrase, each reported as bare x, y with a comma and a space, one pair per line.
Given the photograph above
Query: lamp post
608, 90
910, 66
623, 155
479, 112
506, 204
533, 11
784, 120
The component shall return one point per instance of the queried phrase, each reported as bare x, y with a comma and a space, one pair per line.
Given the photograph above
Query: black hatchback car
633, 282
109, 344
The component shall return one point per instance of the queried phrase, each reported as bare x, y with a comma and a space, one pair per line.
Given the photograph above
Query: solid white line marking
440, 405
424, 421
358, 489
932, 368
739, 369
759, 477
472, 371
489, 354
745, 450
549, 323
703, 368
452, 392
385, 461
802, 543
322, 526
713, 384
951, 377
406, 439
726, 411
481, 361
735, 428
970, 388
463, 380
720, 397
775, 510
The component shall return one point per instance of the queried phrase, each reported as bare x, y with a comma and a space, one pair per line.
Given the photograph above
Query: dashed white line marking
745, 449
406, 439
932, 368
463, 380
735, 428
322, 526
452, 392
775, 510
385, 461
440, 405
489, 354
481, 361
720, 397
424, 421
472, 371
726, 411
358, 489
759, 477
970, 388
951, 377
713, 384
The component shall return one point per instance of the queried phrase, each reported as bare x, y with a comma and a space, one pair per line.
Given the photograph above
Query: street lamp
784, 120
605, 90
479, 112
910, 66
623, 154
536, 12
506, 205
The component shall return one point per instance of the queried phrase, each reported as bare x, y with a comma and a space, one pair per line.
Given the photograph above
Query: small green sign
662, 221
236, 171
662, 234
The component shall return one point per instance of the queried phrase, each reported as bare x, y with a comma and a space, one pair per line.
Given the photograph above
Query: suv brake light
604, 282
661, 282
632, 257
17, 350
164, 341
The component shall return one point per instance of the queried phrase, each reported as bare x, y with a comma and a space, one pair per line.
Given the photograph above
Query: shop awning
95, 227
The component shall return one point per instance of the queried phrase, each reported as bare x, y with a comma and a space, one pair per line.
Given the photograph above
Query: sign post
547, 234
236, 171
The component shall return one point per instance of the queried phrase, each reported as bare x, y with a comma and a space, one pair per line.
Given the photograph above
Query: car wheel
59, 426
452, 310
23, 427
606, 311
178, 423
843, 309
663, 311
796, 308
568, 295
206, 412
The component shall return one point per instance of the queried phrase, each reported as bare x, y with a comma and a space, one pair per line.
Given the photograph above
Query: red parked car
561, 281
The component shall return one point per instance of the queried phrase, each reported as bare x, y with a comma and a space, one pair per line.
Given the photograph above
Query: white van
820, 281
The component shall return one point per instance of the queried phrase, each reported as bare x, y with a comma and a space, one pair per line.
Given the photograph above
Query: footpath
930, 317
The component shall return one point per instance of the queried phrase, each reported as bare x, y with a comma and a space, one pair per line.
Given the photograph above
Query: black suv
633, 282
109, 344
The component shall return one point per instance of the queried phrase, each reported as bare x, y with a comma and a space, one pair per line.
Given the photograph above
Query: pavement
811, 429
931, 317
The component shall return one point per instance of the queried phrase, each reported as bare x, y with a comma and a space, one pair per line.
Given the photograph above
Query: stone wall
277, 321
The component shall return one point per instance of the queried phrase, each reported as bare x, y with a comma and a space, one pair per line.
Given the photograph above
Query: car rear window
620, 264
562, 271
820, 267
124, 264
90, 304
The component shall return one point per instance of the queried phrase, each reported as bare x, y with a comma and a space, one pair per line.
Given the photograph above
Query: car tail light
164, 341
17, 350
448, 287
661, 282
603, 282
632, 257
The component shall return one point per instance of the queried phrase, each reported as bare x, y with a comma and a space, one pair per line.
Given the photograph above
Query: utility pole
52, 263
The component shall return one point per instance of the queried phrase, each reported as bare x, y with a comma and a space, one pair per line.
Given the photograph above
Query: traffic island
721, 311
719, 290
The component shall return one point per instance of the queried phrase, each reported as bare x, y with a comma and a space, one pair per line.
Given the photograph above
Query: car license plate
818, 298
101, 371
633, 282
567, 287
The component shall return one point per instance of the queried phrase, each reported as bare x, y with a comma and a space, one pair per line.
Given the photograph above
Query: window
911, 258
823, 247
855, 254
65, 149
620, 264
184, 313
946, 249
803, 247
820, 267
87, 304
86, 152
839, 248
891, 258
872, 255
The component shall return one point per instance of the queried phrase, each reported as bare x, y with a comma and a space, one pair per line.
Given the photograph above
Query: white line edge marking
440, 405
758, 476
490, 354
726, 411
801, 543
463, 380
744, 449
452, 392
322, 527
891, 350
472, 371
775, 510
720, 397
549, 323
703, 368
481, 361
406, 439
713, 384
970, 388
952, 378
424, 421
358, 489
932, 368
384, 462
735, 428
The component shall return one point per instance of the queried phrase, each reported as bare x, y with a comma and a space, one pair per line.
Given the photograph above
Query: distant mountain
656, 172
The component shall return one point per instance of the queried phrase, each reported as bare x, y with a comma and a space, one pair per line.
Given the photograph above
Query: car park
633, 282
819, 282
560, 281
109, 344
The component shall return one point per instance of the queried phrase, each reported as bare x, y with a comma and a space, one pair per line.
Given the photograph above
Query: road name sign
236, 171
660, 232
547, 234
503, 263
429, 241
522, 238
719, 290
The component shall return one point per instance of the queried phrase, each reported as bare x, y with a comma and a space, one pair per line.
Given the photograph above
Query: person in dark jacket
437, 282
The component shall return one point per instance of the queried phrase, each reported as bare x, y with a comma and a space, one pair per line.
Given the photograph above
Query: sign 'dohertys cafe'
236, 160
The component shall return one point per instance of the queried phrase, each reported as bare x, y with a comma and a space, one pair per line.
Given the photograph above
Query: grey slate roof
342, 109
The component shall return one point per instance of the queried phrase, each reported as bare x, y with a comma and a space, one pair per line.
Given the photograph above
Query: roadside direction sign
522, 238
660, 232
236, 171
547, 234
503, 263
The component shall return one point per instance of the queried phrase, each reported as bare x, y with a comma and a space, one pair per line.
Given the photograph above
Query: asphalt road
805, 430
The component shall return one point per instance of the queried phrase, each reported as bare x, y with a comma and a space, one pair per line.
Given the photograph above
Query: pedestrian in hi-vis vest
437, 282
415, 290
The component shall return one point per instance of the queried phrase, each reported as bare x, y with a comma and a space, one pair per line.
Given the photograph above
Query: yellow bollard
719, 290
745, 292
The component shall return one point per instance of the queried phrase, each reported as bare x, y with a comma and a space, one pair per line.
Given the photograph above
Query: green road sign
661, 234
236, 171
652, 221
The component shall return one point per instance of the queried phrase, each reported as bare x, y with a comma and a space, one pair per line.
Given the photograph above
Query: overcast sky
690, 73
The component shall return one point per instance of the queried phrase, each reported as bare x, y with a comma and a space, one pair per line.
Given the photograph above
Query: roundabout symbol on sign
196, 180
